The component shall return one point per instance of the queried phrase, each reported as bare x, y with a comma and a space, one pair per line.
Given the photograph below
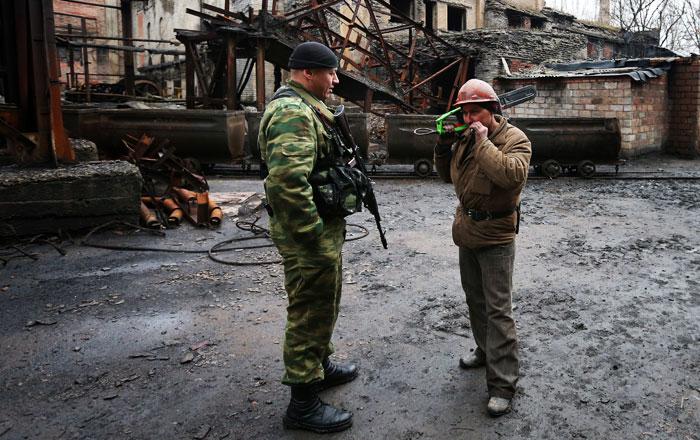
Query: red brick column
684, 118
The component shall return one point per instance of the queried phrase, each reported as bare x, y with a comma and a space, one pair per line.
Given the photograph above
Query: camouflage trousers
313, 280
487, 275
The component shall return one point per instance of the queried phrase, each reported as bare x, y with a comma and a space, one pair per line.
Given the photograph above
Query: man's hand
481, 131
449, 135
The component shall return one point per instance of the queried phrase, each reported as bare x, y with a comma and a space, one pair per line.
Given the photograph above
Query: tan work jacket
488, 176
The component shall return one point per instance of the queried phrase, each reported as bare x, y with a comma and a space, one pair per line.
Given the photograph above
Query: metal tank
571, 144
210, 136
558, 144
403, 146
358, 128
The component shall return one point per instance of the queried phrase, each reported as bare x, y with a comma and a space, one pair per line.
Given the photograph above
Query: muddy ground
102, 344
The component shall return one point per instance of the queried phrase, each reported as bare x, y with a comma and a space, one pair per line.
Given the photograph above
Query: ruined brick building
506, 40
523, 32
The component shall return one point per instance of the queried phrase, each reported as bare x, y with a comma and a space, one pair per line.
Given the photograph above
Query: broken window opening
430, 14
537, 23
456, 18
403, 6
102, 56
514, 20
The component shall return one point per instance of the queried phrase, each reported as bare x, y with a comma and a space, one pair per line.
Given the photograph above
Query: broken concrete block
46, 200
85, 150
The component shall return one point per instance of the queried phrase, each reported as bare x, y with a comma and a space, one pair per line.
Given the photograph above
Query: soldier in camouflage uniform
293, 144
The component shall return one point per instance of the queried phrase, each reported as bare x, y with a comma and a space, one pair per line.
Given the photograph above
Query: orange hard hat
476, 90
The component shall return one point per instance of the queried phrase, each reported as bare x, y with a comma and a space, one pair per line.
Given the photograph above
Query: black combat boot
306, 411
336, 374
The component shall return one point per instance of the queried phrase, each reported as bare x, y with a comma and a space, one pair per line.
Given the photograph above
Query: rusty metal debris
33, 83
164, 201
148, 217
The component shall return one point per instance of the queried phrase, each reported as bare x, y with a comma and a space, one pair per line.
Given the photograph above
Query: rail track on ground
401, 172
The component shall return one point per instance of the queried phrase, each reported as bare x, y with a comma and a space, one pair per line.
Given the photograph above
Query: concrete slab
46, 200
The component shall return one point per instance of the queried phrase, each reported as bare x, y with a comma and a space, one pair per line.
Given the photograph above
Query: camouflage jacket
292, 140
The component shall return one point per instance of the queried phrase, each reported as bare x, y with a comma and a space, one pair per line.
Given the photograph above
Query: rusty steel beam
219, 20
224, 12
461, 73
308, 11
411, 53
387, 59
86, 63
193, 54
63, 14
98, 37
231, 95
219, 72
350, 26
433, 76
60, 145
127, 30
189, 78
92, 4
402, 27
71, 64
26, 115
45, 85
320, 18
260, 77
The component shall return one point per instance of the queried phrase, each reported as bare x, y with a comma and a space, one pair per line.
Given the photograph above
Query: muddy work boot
473, 360
498, 406
306, 411
336, 374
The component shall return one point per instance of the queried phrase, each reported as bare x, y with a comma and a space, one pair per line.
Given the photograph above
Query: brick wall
641, 108
685, 108
650, 116
517, 65
99, 21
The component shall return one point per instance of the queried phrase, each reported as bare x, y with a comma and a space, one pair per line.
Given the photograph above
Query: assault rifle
347, 142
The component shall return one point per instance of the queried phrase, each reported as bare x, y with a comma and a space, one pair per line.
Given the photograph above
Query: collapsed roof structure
409, 72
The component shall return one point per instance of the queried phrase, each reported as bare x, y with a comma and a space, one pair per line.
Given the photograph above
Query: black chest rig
338, 186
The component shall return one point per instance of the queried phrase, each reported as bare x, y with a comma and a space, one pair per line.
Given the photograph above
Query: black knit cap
312, 55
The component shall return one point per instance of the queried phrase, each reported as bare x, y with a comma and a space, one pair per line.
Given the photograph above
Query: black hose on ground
258, 232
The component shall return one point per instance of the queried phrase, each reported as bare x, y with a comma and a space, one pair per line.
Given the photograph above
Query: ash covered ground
108, 344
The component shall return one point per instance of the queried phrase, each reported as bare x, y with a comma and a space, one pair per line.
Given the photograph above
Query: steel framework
402, 63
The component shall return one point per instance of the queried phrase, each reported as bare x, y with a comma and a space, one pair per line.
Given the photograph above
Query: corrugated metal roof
641, 69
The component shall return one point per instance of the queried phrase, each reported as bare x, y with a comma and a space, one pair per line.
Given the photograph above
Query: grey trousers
487, 280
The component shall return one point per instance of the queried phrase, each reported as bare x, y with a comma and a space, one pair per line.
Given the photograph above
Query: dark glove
449, 136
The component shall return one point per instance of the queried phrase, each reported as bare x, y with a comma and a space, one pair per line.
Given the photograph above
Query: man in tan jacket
488, 166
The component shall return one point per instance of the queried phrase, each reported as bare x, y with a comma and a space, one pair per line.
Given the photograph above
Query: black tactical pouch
338, 191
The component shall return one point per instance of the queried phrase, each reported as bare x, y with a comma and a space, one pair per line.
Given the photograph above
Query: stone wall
640, 108
685, 108
531, 46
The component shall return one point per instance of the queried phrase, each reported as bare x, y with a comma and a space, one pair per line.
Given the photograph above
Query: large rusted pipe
151, 202
215, 214
184, 195
175, 213
149, 218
